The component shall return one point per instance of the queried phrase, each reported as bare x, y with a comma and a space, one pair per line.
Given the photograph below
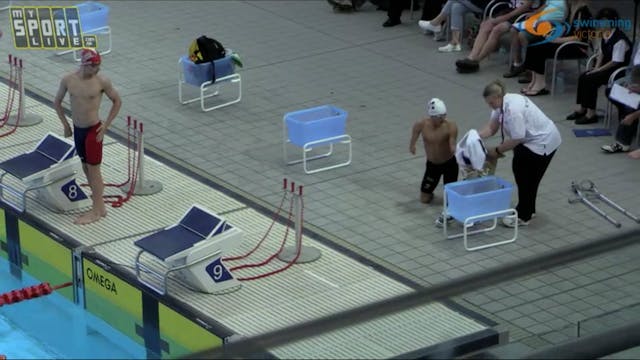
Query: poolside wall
159, 324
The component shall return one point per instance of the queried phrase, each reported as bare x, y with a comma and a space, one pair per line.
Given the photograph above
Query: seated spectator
457, 9
394, 11
628, 117
489, 34
537, 55
551, 11
614, 52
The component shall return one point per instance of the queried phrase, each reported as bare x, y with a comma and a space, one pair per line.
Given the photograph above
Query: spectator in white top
533, 137
614, 52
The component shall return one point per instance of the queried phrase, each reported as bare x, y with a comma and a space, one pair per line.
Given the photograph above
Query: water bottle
560, 82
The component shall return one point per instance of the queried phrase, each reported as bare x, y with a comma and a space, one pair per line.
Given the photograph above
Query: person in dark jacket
615, 51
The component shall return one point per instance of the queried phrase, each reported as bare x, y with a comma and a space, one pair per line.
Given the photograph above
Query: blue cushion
27, 164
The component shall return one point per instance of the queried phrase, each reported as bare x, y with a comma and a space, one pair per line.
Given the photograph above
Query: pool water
52, 327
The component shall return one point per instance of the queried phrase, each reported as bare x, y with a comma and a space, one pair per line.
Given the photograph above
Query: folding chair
193, 248
49, 168
200, 76
559, 57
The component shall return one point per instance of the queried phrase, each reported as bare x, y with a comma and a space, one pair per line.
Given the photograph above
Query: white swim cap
436, 107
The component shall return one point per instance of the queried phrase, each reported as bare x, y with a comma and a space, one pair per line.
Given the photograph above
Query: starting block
49, 169
193, 248
477, 200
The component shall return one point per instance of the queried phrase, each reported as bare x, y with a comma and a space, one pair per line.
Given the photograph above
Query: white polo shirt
522, 119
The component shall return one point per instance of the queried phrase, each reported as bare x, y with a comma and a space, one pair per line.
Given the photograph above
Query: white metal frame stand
342, 139
469, 222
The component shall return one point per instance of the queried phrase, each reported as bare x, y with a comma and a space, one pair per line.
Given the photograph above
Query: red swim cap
89, 57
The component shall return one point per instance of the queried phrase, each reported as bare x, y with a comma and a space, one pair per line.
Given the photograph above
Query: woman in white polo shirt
532, 136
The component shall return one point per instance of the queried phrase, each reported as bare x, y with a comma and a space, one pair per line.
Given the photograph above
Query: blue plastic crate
93, 15
314, 124
196, 74
478, 196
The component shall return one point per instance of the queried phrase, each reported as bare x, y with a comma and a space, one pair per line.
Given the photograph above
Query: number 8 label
72, 191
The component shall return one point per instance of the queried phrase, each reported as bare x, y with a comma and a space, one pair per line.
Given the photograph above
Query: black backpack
205, 49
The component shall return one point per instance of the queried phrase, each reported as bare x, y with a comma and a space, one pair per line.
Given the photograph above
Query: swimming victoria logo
586, 30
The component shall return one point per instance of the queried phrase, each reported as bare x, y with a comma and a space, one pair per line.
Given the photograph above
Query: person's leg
91, 168
582, 87
540, 165
431, 9
493, 40
458, 11
450, 171
589, 95
524, 174
481, 39
444, 14
430, 181
626, 133
98, 210
394, 13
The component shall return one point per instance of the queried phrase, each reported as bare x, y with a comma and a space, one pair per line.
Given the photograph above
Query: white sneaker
422, 24
615, 148
450, 48
510, 221
427, 26
440, 220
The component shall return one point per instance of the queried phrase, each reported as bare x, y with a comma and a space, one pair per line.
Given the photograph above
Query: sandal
542, 91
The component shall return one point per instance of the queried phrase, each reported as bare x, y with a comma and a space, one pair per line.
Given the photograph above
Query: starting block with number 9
193, 248
49, 170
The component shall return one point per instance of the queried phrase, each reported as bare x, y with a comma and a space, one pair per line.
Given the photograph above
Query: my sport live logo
48, 27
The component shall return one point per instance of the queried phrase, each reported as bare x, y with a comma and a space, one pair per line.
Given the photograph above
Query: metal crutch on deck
586, 189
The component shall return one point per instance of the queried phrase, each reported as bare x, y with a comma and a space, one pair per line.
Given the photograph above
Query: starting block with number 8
49, 170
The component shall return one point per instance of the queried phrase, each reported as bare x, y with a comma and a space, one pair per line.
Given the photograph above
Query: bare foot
88, 218
527, 88
635, 154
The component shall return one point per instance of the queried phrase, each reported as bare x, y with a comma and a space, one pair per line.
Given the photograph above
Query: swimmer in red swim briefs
85, 89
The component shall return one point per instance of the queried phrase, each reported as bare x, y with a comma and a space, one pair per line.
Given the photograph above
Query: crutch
592, 187
586, 189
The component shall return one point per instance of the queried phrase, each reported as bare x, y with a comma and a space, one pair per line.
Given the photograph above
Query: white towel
470, 151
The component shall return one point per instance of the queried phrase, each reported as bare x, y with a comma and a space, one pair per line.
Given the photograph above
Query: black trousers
624, 133
588, 85
395, 8
537, 55
430, 8
528, 169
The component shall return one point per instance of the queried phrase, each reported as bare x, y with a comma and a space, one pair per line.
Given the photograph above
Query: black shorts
433, 172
